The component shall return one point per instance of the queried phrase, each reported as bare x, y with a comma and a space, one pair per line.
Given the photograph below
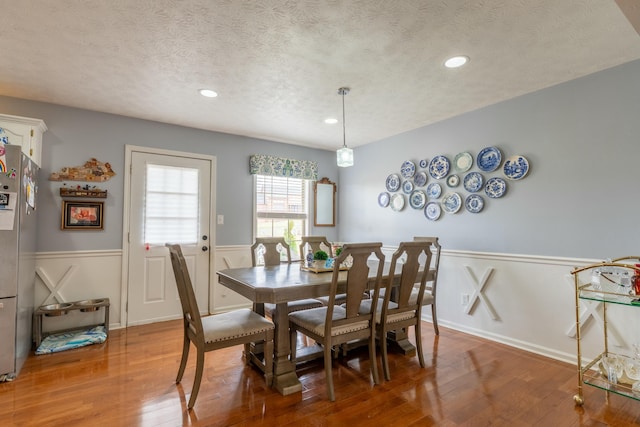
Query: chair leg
373, 360
434, 319
328, 371
185, 355
293, 337
419, 342
198, 378
385, 358
268, 359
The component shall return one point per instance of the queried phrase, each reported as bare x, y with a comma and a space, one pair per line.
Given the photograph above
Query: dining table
282, 284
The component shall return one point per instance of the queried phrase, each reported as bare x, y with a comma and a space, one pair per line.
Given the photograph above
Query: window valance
262, 164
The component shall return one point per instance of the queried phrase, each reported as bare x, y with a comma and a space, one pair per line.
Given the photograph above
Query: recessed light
208, 93
331, 121
456, 61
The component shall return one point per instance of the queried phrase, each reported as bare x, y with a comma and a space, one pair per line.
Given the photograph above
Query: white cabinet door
25, 132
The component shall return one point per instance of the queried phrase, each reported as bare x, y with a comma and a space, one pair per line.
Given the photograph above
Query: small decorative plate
432, 211
439, 167
473, 182
451, 202
407, 187
383, 199
434, 190
397, 202
417, 199
515, 167
495, 188
474, 203
489, 159
407, 169
420, 179
393, 182
424, 163
453, 181
463, 162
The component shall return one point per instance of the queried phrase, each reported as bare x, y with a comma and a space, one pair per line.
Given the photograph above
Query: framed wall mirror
325, 203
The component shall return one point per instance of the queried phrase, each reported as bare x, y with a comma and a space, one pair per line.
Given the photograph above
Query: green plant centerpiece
320, 259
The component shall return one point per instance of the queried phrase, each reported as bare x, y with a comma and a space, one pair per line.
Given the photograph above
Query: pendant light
345, 155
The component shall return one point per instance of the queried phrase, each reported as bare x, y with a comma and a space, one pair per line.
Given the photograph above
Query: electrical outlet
464, 299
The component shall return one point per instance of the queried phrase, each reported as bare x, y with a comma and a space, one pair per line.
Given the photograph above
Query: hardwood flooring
468, 381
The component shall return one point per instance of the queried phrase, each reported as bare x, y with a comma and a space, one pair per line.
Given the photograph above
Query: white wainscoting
522, 301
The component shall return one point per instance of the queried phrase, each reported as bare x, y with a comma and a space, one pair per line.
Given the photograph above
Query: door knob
205, 248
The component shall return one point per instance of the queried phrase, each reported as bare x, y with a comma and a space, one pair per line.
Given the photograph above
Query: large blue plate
393, 182
495, 188
515, 167
473, 182
439, 167
489, 159
407, 169
451, 202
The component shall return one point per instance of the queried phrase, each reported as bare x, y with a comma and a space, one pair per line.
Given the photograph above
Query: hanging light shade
344, 154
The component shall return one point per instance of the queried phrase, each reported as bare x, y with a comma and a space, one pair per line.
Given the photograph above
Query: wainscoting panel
222, 298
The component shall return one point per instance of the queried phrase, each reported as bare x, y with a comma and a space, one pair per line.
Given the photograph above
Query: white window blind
171, 205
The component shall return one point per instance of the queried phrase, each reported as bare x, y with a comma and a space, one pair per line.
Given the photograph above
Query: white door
170, 200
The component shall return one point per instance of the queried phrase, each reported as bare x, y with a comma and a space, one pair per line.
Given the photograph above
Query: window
282, 209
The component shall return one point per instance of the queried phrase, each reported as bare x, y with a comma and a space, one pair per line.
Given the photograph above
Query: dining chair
429, 297
404, 311
333, 325
315, 244
268, 251
209, 333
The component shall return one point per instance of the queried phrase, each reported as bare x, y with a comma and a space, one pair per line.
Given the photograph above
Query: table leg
285, 379
399, 341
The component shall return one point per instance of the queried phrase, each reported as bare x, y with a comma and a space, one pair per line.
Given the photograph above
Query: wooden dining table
280, 285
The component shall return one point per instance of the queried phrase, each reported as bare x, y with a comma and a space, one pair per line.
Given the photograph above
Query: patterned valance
261, 164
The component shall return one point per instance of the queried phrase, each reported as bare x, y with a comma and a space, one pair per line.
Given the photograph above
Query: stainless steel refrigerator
18, 187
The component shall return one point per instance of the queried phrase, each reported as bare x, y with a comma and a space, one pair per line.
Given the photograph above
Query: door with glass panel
170, 202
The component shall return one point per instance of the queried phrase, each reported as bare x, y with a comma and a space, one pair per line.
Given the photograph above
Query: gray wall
75, 135
580, 198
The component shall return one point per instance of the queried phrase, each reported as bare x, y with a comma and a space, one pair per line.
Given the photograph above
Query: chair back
315, 243
432, 279
357, 281
271, 249
191, 314
415, 269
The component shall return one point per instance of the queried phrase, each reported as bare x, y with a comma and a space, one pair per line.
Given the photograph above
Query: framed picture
82, 215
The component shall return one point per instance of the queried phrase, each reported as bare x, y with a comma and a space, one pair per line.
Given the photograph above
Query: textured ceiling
277, 65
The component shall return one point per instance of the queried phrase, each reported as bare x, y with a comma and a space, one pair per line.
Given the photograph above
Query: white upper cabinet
23, 131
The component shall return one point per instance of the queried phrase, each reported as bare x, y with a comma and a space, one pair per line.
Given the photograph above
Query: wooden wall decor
92, 170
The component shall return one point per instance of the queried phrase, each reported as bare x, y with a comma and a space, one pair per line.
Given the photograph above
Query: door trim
129, 150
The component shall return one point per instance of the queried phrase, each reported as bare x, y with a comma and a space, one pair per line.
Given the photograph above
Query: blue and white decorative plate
495, 188
463, 162
439, 167
393, 182
432, 211
489, 159
474, 203
453, 181
434, 190
397, 202
451, 202
417, 199
407, 187
407, 169
383, 199
515, 167
424, 163
420, 179
473, 182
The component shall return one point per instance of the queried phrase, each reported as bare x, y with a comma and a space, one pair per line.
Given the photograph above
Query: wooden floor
129, 381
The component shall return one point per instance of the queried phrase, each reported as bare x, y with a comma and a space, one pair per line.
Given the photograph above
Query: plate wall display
495, 188
407, 187
439, 167
420, 179
434, 190
451, 202
474, 203
393, 182
407, 169
432, 211
417, 199
473, 182
397, 202
383, 199
453, 181
515, 167
424, 163
489, 159
463, 162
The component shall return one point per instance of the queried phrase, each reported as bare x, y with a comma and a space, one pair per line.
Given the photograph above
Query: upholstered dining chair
429, 297
332, 325
404, 311
209, 333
